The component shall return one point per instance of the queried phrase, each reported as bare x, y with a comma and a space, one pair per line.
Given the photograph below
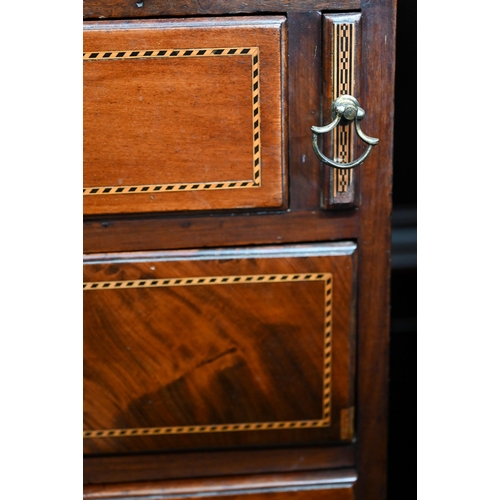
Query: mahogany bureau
237, 183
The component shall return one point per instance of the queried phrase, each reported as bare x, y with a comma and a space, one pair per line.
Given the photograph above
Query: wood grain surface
107, 469
377, 91
341, 69
304, 221
112, 234
300, 494
101, 9
304, 107
183, 116
234, 351
316, 485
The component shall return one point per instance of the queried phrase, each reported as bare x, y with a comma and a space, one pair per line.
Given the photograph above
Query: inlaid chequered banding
328, 349
343, 84
169, 188
255, 181
196, 429
325, 421
141, 54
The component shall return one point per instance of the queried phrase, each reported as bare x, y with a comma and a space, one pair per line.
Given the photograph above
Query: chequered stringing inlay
326, 278
343, 83
255, 181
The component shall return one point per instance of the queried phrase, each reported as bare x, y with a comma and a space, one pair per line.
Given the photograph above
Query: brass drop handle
345, 109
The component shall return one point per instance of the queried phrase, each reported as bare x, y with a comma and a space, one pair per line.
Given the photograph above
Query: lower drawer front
319, 485
228, 348
338, 493
307, 494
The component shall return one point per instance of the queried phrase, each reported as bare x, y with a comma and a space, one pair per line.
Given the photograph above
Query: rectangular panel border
254, 182
325, 421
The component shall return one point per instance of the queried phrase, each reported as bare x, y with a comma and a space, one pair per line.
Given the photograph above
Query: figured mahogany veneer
172, 404
224, 348
184, 115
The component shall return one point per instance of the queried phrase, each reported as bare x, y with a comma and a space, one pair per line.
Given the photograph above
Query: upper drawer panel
184, 115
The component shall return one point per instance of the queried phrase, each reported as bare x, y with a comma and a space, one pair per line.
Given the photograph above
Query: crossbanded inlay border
325, 421
254, 182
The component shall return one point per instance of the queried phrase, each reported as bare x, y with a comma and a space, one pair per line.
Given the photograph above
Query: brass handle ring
345, 109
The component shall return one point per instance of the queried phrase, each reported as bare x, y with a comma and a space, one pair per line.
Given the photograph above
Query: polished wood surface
106, 469
100, 9
304, 220
341, 71
253, 348
302, 494
317, 485
112, 234
377, 88
365, 221
184, 115
304, 98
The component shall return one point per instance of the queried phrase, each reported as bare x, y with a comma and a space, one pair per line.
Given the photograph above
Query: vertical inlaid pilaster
341, 58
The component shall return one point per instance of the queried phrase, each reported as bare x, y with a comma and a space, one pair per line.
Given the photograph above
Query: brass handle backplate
345, 109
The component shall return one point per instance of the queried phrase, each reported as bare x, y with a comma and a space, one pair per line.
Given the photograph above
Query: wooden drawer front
321, 494
337, 493
183, 115
219, 348
314, 485
306, 494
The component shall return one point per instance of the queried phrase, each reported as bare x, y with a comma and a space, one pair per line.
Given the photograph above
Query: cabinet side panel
377, 91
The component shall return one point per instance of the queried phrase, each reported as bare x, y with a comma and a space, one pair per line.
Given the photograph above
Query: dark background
403, 347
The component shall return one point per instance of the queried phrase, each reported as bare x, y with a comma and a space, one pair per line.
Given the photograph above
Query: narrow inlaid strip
255, 181
325, 421
343, 83
197, 429
328, 350
168, 53
206, 280
171, 188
